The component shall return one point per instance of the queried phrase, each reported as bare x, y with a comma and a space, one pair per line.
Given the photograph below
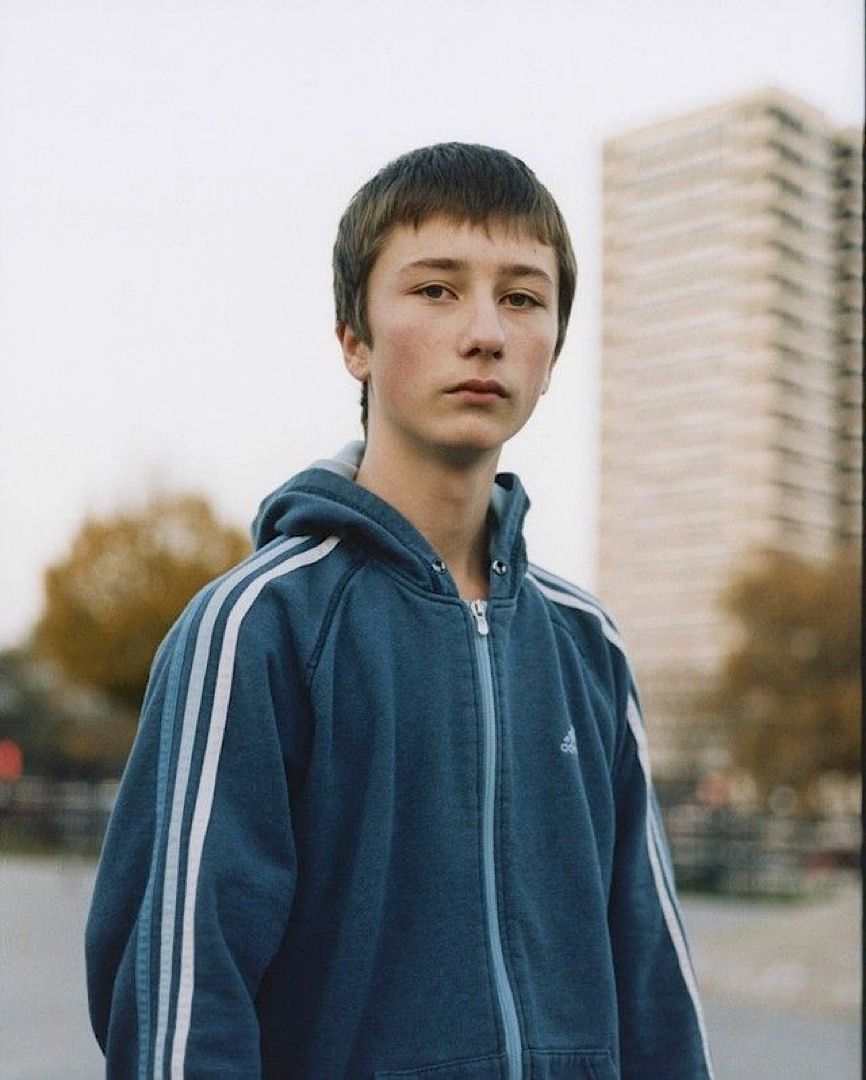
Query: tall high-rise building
731, 381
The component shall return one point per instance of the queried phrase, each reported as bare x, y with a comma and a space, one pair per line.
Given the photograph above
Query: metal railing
714, 849
39, 814
725, 851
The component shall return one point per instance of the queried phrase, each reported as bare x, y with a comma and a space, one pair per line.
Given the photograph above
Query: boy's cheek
413, 356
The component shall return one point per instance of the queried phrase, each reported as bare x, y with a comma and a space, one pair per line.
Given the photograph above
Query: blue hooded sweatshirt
371, 830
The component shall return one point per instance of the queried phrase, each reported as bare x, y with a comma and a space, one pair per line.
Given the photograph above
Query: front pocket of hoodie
486, 1068
572, 1065
546, 1065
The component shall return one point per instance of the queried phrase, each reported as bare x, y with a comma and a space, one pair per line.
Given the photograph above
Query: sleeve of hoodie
662, 1031
198, 867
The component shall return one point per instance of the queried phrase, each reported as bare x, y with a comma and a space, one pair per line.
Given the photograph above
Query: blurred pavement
780, 982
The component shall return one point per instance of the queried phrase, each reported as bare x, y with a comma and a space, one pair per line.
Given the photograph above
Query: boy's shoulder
293, 563
585, 614
276, 595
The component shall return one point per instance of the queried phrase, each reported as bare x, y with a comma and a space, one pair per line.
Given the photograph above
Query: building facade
731, 382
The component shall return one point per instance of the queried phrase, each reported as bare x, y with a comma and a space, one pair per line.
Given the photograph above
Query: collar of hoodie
324, 500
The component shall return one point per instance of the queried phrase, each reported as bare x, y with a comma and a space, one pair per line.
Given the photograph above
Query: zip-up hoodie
371, 830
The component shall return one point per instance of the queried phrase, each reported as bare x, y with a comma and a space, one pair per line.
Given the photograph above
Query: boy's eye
433, 292
521, 300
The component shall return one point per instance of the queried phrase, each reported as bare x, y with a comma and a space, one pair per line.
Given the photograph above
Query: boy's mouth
480, 386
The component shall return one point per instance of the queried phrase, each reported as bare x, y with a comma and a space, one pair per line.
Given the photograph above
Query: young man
389, 811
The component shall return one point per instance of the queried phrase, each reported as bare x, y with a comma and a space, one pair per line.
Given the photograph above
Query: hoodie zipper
513, 1051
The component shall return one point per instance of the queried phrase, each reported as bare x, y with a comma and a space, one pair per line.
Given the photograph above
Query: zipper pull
479, 613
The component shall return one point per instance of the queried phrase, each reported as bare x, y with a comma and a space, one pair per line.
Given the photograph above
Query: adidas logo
569, 744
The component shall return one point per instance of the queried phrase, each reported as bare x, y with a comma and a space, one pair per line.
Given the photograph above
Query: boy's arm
198, 867
662, 1030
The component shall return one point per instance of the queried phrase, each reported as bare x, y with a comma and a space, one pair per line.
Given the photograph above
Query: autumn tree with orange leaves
789, 693
126, 578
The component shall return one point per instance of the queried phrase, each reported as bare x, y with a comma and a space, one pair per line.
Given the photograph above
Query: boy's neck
446, 501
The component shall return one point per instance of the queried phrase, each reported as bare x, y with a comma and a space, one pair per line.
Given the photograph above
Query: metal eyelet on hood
439, 566
499, 567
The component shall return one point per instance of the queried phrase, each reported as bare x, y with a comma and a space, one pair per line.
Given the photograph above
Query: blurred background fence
39, 815
714, 849
750, 854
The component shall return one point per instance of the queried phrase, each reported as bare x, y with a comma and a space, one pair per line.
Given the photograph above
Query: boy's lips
480, 386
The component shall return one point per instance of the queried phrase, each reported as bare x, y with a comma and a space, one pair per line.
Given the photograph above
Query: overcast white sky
172, 176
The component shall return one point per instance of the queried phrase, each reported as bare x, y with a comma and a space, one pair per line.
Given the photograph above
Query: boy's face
448, 303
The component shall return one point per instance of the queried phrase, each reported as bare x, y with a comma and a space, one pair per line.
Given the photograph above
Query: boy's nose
483, 332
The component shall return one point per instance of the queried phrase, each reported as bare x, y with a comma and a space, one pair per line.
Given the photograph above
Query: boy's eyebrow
456, 265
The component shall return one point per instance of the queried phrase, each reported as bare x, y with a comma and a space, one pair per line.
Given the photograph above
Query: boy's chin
463, 441
469, 447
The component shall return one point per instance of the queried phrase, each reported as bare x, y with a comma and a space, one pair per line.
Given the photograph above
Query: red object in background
11, 761
714, 789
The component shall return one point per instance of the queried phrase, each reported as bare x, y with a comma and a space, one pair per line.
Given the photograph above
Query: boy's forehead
510, 241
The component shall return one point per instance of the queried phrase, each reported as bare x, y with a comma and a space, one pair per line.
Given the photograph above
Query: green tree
789, 692
126, 578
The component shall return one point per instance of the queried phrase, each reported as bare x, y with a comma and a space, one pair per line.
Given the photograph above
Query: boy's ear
356, 355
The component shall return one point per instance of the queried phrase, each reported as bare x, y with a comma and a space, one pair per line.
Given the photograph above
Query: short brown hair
461, 181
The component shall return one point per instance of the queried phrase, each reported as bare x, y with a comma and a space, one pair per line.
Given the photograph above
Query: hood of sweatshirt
324, 500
